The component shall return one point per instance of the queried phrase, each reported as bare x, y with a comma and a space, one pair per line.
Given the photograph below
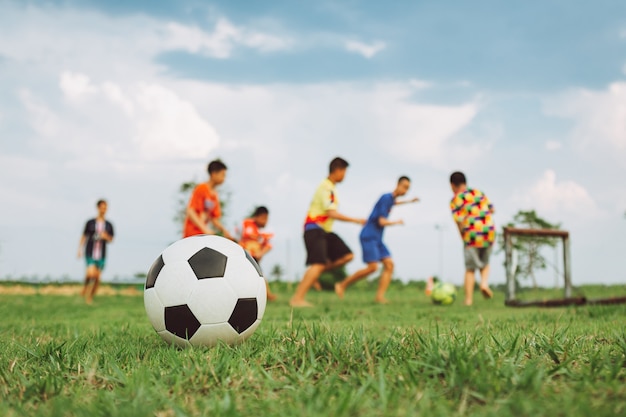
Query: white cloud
169, 126
43, 120
75, 85
553, 145
557, 198
423, 133
221, 42
420, 84
160, 123
364, 49
599, 117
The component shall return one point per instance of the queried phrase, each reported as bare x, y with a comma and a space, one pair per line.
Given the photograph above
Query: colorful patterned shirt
324, 199
473, 210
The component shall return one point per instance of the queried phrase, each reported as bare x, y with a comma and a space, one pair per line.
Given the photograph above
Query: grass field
60, 357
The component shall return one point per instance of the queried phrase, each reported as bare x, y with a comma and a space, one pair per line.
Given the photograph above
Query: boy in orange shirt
203, 211
255, 241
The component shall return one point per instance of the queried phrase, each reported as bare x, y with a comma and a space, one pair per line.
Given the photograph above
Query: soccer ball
443, 293
204, 289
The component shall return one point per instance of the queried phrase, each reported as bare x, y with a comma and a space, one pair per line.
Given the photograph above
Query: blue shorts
374, 250
99, 263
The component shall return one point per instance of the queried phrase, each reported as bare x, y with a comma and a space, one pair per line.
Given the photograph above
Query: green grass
59, 357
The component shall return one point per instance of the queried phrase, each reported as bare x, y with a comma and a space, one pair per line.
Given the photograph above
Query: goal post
510, 232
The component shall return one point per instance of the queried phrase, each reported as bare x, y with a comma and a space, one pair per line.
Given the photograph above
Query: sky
128, 100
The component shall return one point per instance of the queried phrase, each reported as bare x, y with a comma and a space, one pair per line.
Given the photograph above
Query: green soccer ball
443, 294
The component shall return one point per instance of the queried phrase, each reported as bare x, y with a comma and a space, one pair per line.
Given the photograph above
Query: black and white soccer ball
205, 289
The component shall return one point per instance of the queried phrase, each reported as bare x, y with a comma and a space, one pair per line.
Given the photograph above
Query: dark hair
404, 177
216, 166
101, 201
337, 163
457, 178
260, 210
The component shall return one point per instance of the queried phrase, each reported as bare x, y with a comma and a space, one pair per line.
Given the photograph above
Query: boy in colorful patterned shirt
473, 213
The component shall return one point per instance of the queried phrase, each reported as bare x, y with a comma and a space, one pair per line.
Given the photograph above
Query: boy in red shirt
203, 211
255, 241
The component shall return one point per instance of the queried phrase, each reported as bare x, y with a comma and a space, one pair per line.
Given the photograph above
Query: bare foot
299, 303
271, 296
317, 286
381, 301
486, 292
89, 300
468, 302
339, 290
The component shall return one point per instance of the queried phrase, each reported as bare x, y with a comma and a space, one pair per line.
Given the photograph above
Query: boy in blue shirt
371, 237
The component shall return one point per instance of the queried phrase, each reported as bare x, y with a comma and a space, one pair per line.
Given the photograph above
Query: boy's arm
334, 214
412, 200
383, 222
217, 224
107, 236
81, 245
459, 225
197, 220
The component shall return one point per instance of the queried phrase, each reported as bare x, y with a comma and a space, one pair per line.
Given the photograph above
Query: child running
96, 234
371, 237
256, 241
325, 250
203, 211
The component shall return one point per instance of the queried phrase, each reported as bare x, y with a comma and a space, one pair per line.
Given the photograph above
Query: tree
277, 272
528, 248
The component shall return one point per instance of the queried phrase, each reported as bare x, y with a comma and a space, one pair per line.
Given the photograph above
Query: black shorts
322, 247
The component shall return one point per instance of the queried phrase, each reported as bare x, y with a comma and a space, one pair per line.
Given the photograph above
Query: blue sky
127, 100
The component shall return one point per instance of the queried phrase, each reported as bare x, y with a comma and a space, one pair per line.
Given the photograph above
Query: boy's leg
340, 287
484, 286
385, 280
270, 295
485, 254
430, 283
90, 275
316, 245
310, 276
472, 263
96, 282
338, 263
470, 280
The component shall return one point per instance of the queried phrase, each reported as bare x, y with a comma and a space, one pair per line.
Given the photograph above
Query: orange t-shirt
252, 239
206, 203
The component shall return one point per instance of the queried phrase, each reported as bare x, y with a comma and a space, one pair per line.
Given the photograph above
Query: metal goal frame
510, 232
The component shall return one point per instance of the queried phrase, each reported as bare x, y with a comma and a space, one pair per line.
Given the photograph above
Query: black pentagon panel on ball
254, 263
153, 273
181, 321
208, 263
244, 314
